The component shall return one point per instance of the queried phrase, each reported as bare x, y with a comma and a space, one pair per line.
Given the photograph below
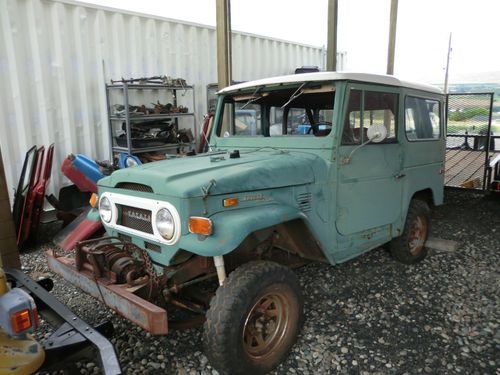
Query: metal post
488, 140
447, 67
221, 269
331, 50
392, 37
9, 254
223, 19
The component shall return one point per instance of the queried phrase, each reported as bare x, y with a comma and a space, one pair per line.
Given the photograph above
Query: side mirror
376, 134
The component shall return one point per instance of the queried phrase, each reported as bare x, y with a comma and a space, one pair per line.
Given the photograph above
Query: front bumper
118, 297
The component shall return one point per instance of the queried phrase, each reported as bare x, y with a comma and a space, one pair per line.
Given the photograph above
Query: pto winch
122, 275
121, 263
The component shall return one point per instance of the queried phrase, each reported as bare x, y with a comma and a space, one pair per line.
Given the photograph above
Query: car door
369, 174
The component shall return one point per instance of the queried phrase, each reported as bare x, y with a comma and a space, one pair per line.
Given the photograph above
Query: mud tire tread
229, 307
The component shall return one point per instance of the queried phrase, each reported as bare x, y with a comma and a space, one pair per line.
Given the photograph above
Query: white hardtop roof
331, 76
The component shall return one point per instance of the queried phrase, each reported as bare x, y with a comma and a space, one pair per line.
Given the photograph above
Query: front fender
230, 228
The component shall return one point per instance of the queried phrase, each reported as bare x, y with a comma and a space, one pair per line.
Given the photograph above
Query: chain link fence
471, 139
469, 122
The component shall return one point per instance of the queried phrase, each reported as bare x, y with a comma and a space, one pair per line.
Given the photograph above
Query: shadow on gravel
371, 315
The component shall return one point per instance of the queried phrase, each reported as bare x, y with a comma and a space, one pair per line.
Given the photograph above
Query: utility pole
392, 37
447, 67
331, 49
9, 254
223, 27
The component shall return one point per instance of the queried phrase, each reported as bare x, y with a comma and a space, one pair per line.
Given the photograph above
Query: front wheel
409, 248
253, 319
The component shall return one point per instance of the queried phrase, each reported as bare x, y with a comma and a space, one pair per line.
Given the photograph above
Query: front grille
134, 186
304, 202
135, 218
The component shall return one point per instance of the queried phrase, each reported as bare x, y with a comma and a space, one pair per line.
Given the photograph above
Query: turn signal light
93, 200
200, 225
229, 202
20, 320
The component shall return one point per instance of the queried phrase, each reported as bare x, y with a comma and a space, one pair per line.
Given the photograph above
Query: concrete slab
440, 244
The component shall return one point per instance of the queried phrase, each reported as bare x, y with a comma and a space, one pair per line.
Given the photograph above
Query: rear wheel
410, 248
253, 319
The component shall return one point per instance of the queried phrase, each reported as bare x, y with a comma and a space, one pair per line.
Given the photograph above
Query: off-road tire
234, 308
401, 247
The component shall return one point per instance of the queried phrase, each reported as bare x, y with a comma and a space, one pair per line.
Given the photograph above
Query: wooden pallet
465, 168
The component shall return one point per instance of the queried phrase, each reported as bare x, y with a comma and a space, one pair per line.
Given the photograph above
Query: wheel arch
426, 195
231, 228
291, 242
429, 195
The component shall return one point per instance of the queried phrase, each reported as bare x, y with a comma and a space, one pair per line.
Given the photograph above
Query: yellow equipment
19, 355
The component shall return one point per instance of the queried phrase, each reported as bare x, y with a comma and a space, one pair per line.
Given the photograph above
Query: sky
423, 31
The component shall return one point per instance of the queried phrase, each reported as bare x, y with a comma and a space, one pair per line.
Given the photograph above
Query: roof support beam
392, 37
223, 27
331, 48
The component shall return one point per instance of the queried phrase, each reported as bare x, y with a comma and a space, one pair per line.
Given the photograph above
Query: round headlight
105, 210
165, 223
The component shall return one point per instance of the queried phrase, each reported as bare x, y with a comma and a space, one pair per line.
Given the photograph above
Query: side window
422, 119
367, 108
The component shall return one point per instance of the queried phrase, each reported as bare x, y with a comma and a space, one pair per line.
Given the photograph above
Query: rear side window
422, 119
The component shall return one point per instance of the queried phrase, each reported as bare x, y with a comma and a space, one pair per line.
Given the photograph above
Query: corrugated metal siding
56, 55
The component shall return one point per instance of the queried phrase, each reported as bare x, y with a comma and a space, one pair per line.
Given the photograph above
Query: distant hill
476, 87
479, 86
482, 77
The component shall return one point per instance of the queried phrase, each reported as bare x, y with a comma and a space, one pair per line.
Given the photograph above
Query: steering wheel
317, 130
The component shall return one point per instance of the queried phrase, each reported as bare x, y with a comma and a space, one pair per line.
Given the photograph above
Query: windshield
305, 109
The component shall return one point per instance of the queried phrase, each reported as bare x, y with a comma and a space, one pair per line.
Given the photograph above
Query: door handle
399, 176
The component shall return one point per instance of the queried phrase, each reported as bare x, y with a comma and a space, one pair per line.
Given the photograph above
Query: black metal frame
493, 171
73, 338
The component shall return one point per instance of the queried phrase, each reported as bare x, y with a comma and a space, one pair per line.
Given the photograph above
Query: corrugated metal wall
56, 55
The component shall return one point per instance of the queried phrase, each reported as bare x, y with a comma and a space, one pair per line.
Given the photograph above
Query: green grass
461, 126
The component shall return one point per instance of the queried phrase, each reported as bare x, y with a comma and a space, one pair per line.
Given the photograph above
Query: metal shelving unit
128, 118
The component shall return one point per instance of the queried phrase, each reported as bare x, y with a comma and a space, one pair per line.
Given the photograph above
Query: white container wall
57, 55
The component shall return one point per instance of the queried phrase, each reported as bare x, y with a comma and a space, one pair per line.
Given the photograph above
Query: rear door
369, 179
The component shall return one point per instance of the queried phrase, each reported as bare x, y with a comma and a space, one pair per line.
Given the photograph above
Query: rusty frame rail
118, 297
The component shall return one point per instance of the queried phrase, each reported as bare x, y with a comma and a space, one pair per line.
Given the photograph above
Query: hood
253, 170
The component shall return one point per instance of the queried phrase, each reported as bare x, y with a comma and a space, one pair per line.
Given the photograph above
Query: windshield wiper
295, 95
253, 98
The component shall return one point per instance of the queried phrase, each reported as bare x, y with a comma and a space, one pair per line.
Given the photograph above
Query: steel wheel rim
266, 325
418, 235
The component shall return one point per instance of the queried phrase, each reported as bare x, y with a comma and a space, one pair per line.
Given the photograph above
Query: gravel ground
368, 316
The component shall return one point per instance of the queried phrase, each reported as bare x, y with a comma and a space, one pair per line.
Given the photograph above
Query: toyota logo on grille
138, 216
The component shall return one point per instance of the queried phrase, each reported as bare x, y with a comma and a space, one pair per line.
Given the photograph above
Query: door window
367, 108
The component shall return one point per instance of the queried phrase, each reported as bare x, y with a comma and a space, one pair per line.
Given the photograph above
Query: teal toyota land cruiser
330, 166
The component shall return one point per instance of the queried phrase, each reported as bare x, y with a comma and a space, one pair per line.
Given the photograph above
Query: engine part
113, 260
